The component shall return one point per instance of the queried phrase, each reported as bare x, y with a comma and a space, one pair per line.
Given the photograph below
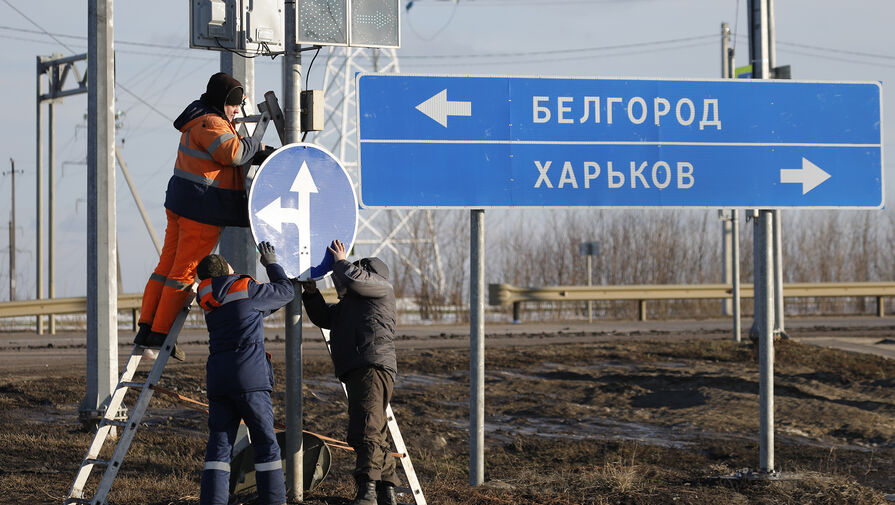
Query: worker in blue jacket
239, 374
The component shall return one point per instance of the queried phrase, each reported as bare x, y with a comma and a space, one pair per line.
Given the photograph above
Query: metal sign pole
737, 324
292, 129
476, 347
764, 260
766, 343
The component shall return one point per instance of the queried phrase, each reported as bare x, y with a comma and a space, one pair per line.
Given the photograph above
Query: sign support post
291, 112
476, 347
764, 259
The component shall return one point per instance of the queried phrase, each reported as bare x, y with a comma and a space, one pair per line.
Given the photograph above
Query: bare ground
571, 419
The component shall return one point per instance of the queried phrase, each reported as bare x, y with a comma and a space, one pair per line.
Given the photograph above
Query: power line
839, 51
81, 37
13, 7
834, 58
569, 58
560, 51
63, 44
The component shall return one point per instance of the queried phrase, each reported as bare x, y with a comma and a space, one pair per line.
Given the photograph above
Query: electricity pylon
406, 234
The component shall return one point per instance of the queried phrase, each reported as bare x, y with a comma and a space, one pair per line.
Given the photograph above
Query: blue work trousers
224, 414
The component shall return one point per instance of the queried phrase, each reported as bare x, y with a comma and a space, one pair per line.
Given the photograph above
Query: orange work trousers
186, 243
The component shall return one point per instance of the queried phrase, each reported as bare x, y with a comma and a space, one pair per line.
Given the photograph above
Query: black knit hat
223, 89
213, 265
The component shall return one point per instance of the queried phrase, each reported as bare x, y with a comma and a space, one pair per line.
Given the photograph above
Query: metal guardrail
506, 294
78, 305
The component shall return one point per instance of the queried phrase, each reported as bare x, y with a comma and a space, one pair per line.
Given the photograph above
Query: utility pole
724, 214
102, 292
237, 244
292, 133
730, 229
778, 214
759, 42
39, 211
12, 229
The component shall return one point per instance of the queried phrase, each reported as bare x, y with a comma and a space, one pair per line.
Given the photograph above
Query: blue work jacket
235, 306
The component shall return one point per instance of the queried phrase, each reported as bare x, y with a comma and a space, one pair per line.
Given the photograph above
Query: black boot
385, 494
156, 339
366, 493
142, 334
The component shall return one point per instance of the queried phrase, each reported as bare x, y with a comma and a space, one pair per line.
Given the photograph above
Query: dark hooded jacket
363, 322
208, 184
235, 306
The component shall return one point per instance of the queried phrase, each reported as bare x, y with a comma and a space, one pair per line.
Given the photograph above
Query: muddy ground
619, 419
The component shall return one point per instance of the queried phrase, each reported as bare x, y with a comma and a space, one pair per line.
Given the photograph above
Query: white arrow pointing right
438, 107
810, 175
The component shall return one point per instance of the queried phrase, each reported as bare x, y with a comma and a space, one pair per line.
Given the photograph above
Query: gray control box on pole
243, 26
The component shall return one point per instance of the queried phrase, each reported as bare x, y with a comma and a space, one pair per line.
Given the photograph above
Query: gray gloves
268, 254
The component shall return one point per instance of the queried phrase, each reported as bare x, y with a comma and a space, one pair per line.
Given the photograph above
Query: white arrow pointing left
439, 108
275, 215
810, 175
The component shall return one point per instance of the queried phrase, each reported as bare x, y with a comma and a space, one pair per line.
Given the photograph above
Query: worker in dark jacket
205, 193
239, 375
362, 335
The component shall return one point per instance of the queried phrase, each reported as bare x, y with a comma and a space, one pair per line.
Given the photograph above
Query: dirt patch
647, 421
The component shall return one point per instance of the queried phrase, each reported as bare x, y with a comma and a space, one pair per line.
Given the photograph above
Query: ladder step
103, 462
120, 424
131, 385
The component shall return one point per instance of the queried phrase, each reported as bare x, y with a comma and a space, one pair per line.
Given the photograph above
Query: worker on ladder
239, 375
362, 327
205, 193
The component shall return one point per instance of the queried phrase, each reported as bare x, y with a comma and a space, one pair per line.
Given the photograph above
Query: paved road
28, 352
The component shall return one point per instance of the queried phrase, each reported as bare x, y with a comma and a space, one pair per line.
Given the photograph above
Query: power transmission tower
406, 234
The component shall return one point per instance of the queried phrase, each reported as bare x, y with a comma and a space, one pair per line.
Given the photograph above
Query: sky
824, 40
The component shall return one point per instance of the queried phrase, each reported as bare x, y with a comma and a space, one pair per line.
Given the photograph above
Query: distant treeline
541, 248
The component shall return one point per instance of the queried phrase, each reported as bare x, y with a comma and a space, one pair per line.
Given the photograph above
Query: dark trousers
369, 392
224, 413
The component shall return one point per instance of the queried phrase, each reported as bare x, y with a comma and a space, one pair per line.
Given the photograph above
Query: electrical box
356, 23
312, 110
244, 26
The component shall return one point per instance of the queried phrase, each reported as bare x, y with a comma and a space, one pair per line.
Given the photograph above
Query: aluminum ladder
129, 427
412, 481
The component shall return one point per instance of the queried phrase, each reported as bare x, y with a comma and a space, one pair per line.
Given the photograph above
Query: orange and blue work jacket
208, 184
235, 307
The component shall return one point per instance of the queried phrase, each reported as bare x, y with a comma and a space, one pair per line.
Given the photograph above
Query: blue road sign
472, 142
301, 200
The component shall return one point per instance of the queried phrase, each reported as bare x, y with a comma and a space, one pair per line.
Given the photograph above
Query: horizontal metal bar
64, 60
61, 305
506, 294
78, 305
